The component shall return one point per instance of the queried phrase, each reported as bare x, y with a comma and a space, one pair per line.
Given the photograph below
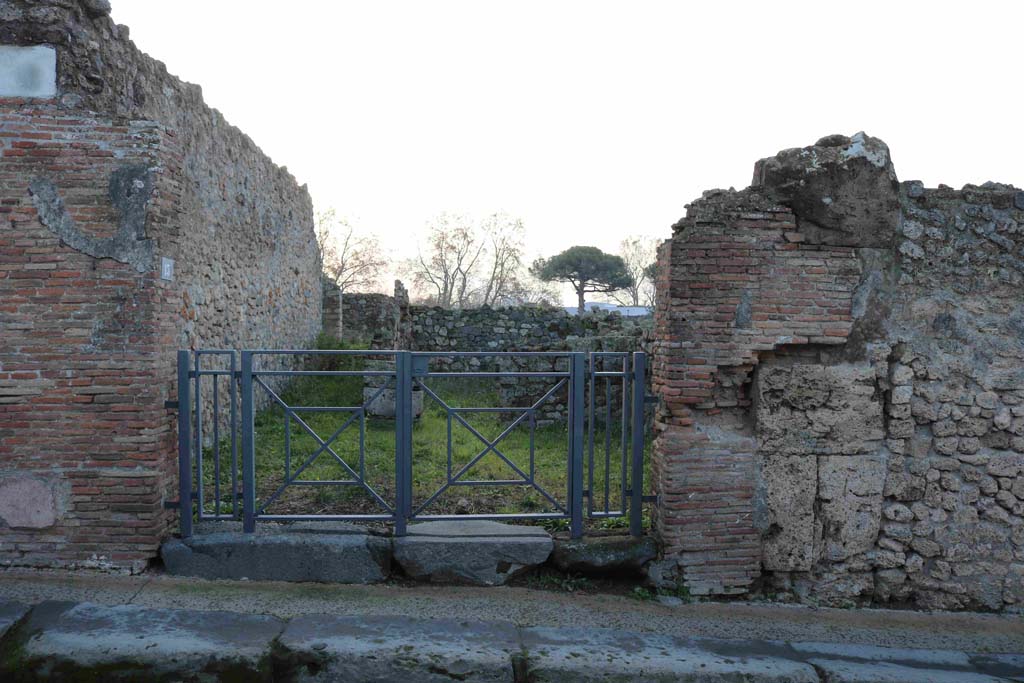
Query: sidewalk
279, 631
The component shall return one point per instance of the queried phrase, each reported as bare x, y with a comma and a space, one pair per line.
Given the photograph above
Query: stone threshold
72, 641
470, 552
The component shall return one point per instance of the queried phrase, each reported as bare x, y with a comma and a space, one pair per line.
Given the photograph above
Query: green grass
430, 452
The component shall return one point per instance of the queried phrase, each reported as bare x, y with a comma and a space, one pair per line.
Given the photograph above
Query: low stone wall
838, 360
369, 319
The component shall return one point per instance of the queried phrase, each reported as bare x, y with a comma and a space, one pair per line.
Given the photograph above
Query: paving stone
342, 556
604, 554
62, 641
386, 649
848, 671
571, 655
477, 552
10, 613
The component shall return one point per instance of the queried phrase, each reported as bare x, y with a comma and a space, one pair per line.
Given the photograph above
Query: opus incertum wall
840, 364
136, 221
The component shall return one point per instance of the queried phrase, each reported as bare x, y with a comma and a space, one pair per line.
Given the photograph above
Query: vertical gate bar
591, 427
624, 426
362, 446
636, 520
448, 415
287, 446
577, 407
232, 383
216, 446
198, 452
248, 448
607, 442
533, 447
403, 439
184, 446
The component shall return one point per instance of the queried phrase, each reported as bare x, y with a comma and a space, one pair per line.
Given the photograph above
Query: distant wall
123, 169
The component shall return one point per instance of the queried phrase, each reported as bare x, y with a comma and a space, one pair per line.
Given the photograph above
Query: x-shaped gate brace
357, 479
410, 370
490, 447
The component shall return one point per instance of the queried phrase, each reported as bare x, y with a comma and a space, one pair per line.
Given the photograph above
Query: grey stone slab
68, 641
604, 554
475, 552
28, 71
386, 649
852, 671
874, 653
1008, 666
10, 613
281, 556
571, 655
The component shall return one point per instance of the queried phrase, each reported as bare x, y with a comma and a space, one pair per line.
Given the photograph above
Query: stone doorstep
475, 552
58, 640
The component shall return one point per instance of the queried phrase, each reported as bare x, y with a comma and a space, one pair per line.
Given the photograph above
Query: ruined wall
837, 357
369, 319
123, 168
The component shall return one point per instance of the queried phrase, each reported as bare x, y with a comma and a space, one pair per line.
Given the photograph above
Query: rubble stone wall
125, 167
838, 358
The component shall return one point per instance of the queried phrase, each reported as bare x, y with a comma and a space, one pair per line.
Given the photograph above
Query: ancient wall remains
369, 319
838, 358
136, 222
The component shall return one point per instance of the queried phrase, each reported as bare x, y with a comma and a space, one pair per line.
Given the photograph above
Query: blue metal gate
596, 399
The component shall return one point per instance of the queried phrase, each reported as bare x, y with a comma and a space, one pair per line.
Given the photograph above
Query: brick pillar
735, 281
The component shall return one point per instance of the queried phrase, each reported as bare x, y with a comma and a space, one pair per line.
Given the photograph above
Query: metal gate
596, 400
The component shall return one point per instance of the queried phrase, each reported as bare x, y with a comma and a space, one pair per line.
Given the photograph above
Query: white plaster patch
27, 503
858, 148
28, 71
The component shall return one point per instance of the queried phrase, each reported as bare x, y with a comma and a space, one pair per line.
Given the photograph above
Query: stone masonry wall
374, 319
838, 359
124, 167
369, 319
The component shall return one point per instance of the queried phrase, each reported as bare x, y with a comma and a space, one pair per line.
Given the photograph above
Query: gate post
636, 507
248, 448
577, 408
403, 440
184, 446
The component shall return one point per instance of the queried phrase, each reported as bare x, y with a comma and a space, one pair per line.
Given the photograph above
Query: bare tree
505, 237
350, 260
448, 269
638, 253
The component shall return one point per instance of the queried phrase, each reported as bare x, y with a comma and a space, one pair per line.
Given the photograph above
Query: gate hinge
649, 399
171, 405
173, 504
650, 499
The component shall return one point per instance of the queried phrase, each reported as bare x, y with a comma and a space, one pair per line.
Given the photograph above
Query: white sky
589, 120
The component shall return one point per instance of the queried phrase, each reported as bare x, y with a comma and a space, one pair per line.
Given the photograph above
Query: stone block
604, 555
346, 556
10, 613
476, 552
396, 649
850, 492
804, 408
80, 642
591, 655
28, 503
856, 177
788, 485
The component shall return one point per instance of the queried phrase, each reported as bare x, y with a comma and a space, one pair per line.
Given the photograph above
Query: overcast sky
589, 120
